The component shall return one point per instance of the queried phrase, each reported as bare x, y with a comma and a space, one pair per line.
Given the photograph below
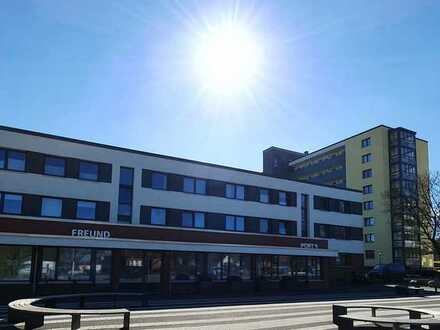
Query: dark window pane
215, 266
103, 266
16, 160
132, 266
12, 204
2, 158
183, 267
158, 216
239, 192
51, 207
125, 195
124, 209
188, 185
187, 219
159, 181
88, 171
15, 263
126, 176
199, 220
154, 266
54, 166
48, 264
230, 222
201, 186
64, 264
86, 210
239, 223
282, 228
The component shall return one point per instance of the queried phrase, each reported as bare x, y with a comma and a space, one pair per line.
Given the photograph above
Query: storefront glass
183, 267
15, 263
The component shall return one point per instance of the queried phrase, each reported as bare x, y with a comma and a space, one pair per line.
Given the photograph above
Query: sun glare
228, 59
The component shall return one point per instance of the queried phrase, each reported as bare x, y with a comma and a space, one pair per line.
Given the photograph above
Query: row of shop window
95, 265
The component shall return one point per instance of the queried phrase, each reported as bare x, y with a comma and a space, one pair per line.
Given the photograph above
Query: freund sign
91, 233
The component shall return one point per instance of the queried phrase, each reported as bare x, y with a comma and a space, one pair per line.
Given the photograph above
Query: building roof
145, 153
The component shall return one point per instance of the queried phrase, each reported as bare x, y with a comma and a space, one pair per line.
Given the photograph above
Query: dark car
388, 272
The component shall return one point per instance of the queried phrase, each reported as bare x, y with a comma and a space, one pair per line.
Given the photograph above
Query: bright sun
228, 59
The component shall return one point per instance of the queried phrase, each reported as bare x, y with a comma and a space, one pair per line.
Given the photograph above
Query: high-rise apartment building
383, 163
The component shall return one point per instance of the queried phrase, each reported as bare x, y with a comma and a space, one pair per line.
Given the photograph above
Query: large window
183, 267
126, 176
314, 268
158, 216
51, 207
132, 266
15, 263
74, 264
12, 203
193, 219
159, 181
193, 185
234, 191
16, 160
54, 166
234, 223
264, 226
224, 266
88, 171
154, 266
125, 200
86, 210
282, 198
49, 264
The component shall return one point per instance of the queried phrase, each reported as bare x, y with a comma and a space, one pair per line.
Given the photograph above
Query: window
15, 263
366, 158
234, 223
51, 207
187, 219
368, 205
159, 181
103, 266
158, 216
199, 220
183, 267
126, 176
86, 210
48, 264
264, 196
234, 191
125, 199
366, 142
2, 158
369, 254
282, 198
54, 166
369, 222
282, 228
370, 238
16, 160
201, 186
12, 203
74, 264
264, 226
88, 171
368, 189
367, 173
132, 266
188, 185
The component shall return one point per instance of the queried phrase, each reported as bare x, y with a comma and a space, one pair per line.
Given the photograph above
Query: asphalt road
268, 316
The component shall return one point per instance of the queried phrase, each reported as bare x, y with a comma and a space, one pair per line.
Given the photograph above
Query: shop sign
91, 233
309, 246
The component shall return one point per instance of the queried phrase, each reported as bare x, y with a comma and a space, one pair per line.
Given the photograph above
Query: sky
122, 73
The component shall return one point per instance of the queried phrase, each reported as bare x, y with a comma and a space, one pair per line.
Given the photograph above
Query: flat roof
145, 153
346, 139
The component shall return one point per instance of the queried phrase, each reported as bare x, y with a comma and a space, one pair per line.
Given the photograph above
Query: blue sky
119, 72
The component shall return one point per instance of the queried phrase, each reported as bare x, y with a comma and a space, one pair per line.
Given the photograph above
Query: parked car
388, 272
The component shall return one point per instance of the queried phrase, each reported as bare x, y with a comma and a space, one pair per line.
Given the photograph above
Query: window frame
52, 198
7, 160
3, 203
88, 162
46, 157
77, 208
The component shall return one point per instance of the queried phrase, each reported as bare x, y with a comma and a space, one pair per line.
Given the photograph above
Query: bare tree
428, 211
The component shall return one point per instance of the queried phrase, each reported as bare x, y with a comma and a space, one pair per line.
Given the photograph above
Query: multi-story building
383, 163
77, 215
